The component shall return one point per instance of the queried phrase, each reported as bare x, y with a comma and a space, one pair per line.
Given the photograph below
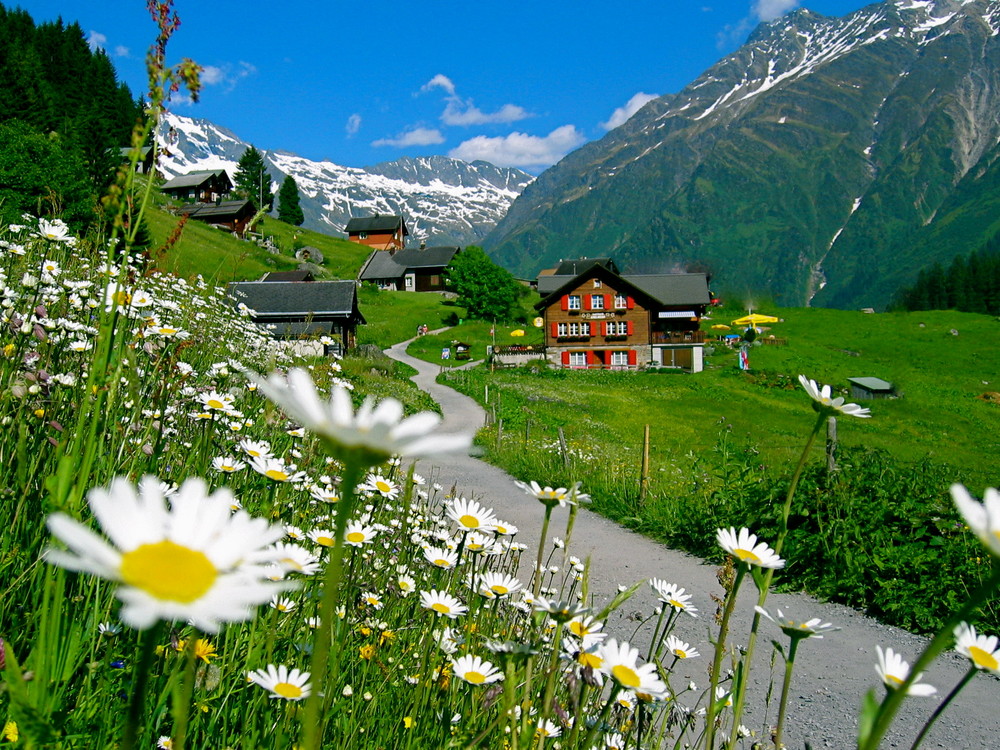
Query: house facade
600, 319
207, 186
378, 232
411, 270
232, 215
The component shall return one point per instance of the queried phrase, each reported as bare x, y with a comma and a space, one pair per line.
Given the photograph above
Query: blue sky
519, 83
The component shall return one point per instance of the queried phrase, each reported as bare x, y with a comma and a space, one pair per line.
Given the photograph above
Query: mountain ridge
786, 162
444, 201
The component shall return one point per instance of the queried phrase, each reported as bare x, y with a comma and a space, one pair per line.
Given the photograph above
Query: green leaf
866, 722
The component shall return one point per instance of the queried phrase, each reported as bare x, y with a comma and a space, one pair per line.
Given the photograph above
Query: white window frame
575, 302
621, 302
574, 329
578, 359
596, 301
561, 330
619, 360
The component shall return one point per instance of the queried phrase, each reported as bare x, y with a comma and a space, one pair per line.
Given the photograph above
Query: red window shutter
604, 328
633, 357
592, 358
631, 327
555, 330
630, 303
608, 301
586, 302
565, 359
565, 302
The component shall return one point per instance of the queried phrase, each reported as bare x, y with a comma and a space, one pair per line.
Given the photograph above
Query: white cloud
415, 137
227, 74
353, 124
520, 149
633, 105
768, 10
96, 40
122, 51
439, 81
464, 112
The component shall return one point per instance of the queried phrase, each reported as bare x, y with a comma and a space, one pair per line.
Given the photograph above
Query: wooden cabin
204, 186
378, 232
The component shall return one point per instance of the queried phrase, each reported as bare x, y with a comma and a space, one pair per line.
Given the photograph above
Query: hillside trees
289, 209
252, 181
970, 284
485, 290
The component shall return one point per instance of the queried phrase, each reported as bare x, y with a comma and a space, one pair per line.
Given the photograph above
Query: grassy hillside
221, 258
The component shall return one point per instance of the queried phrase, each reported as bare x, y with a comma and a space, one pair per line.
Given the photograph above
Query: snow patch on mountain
444, 201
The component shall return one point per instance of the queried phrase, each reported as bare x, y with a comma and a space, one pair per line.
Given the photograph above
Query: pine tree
252, 181
289, 210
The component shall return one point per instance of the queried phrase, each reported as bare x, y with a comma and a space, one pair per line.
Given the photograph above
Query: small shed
869, 388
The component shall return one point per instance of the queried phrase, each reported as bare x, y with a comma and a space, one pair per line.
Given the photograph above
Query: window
596, 301
363, 235
577, 359
579, 329
619, 360
561, 330
574, 302
621, 302
597, 283
617, 328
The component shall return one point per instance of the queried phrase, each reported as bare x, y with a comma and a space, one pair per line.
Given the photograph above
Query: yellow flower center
500, 529
578, 628
476, 678
894, 679
441, 562
469, 522
441, 608
625, 675
288, 690
171, 332
356, 537
252, 452
121, 298
383, 487
746, 555
499, 590
168, 571
324, 541
590, 660
983, 659
680, 653
676, 604
277, 476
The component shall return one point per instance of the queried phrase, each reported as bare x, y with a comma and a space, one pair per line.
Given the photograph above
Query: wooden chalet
207, 185
601, 319
303, 309
232, 215
145, 163
378, 232
411, 270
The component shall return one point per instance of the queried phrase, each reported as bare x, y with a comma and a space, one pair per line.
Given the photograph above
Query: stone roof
673, 288
283, 299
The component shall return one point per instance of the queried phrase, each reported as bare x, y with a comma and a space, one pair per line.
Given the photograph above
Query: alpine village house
595, 317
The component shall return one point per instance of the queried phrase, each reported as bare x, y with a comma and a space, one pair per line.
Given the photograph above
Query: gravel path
831, 675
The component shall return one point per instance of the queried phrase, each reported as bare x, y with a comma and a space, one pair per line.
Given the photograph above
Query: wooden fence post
644, 469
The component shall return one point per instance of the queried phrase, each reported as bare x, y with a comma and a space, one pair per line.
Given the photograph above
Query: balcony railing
677, 337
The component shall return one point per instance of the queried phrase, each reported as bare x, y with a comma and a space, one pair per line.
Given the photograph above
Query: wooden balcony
677, 337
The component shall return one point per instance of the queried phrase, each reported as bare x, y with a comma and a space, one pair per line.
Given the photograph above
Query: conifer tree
252, 181
289, 210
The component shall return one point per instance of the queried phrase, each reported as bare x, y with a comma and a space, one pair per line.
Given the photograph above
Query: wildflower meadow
208, 544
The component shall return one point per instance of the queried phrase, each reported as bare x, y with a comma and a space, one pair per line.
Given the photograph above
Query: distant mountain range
445, 201
824, 162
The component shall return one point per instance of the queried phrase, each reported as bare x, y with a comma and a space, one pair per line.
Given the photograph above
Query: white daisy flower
195, 560
744, 547
475, 671
442, 603
824, 402
983, 518
893, 671
673, 596
814, 628
292, 685
981, 650
621, 664
372, 435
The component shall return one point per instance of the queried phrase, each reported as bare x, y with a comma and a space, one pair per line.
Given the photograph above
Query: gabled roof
662, 290
381, 265
552, 278
376, 223
428, 257
144, 152
282, 299
194, 179
673, 288
218, 210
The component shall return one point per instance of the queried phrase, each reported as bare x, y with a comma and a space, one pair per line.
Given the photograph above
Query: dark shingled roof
270, 299
375, 224
428, 257
193, 179
576, 266
673, 288
288, 276
217, 210
381, 265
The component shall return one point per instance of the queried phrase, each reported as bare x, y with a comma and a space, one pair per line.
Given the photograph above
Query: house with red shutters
598, 318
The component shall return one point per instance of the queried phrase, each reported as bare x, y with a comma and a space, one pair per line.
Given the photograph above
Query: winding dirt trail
831, 675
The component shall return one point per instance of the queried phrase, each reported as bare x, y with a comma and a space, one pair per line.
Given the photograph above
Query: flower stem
720, 650
785, 687
147, 647
541, 551
313, 720
944, 704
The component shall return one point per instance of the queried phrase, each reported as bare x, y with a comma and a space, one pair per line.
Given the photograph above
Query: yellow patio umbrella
720, 327
754, 319
517, 332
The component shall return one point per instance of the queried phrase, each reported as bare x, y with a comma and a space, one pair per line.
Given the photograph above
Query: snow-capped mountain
826, 160
444, 201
